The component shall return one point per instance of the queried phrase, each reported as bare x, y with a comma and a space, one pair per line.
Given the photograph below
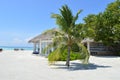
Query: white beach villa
40, 42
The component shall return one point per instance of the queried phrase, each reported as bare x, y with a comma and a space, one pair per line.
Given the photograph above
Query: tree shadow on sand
79, 66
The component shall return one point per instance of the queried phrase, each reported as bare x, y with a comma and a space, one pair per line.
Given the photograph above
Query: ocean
15, 47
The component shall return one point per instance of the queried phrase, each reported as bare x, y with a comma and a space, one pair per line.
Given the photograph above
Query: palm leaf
84, 53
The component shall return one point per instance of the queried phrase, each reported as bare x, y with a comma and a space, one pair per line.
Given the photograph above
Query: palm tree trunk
68, 57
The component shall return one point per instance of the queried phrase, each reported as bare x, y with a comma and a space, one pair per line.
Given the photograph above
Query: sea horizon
16, 47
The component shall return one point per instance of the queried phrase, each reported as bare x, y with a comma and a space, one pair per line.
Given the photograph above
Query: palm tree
66, 22
66, 35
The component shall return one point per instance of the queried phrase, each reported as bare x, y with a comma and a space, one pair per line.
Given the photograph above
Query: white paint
34, 47
40, 46
88, 46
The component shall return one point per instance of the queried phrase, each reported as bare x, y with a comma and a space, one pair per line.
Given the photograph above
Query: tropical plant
89, 25
108, 24
67, 35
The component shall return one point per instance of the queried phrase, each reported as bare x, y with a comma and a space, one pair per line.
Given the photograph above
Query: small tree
108, 24
67, 34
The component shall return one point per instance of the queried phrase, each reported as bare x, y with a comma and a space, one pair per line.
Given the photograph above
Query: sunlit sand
23, 65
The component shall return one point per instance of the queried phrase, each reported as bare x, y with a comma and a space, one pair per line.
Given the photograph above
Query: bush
75, 48
63, 56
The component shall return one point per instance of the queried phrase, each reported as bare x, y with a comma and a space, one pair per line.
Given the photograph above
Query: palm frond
84, 53
55, 55
67, 15
75, 18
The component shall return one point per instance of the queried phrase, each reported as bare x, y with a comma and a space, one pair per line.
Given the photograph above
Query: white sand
22, 65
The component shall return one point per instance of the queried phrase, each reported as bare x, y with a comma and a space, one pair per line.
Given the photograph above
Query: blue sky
20, 20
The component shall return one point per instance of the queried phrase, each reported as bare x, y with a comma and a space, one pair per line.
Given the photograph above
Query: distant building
98, 48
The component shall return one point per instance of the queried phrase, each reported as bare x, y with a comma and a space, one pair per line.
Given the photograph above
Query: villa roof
47, 35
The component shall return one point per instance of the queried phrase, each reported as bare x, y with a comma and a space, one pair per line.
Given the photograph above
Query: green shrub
63, 56
75, 48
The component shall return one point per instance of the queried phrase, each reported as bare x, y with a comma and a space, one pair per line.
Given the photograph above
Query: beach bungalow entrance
41, 42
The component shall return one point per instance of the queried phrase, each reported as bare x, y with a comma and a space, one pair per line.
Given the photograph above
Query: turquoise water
15, 47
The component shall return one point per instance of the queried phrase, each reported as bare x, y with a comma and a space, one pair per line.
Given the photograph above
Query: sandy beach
23, 65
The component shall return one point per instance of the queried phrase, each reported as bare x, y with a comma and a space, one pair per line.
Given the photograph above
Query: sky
21, 20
